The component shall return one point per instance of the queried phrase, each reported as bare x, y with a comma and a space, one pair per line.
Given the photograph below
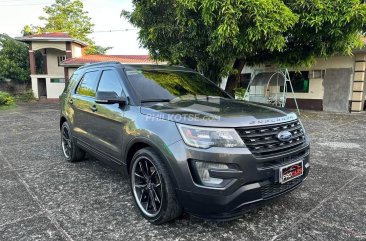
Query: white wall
52, 64
316, 88
54, 90
35, 86
45, 45
76, 50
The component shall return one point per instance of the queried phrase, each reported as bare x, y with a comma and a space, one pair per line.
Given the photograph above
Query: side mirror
110, 97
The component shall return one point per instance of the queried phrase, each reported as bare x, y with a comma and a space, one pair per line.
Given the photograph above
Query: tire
69, 148
146, 162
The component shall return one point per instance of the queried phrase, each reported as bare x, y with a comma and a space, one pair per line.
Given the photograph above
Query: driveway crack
308, 215
49, 215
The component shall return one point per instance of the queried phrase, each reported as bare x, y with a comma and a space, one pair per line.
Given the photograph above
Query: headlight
203, 137
203, 174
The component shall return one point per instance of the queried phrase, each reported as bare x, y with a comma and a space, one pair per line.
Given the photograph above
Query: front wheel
152, 188
71, 151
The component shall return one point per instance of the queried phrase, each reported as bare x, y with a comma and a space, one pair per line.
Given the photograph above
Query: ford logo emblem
284, 136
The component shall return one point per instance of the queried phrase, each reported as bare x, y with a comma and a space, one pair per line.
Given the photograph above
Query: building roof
125, 59
51, 37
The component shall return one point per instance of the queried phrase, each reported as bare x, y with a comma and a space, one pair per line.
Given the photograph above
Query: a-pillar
358, 88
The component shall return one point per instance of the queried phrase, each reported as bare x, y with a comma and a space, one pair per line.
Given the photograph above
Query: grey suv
184, 142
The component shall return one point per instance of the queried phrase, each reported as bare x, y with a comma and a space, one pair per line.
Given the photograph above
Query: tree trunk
233, 80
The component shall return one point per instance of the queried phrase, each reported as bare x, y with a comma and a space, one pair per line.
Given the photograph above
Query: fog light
202, 171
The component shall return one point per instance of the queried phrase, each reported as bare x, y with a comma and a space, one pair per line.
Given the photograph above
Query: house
55, 56
72, 64
336, 84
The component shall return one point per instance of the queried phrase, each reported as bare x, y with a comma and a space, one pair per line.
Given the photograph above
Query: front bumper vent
271, 190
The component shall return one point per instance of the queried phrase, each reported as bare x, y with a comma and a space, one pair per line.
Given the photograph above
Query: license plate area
291, 171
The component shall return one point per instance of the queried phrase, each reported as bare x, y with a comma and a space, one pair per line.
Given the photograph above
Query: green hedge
26, 96
6, 99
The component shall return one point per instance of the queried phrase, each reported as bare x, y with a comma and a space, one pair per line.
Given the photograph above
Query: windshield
165, 85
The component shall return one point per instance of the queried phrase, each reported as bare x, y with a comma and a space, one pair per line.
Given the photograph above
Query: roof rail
101, 64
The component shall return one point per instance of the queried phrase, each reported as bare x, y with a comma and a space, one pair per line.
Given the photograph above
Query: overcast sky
105, 14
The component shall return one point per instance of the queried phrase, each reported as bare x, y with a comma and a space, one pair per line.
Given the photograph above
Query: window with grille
60, 59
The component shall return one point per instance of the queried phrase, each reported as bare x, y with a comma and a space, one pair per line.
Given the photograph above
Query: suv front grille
277, 188
263, 141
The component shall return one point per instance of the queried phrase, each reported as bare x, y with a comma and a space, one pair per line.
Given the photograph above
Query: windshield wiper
155, 100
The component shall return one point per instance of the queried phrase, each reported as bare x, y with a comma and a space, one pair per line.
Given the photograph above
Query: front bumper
258, 183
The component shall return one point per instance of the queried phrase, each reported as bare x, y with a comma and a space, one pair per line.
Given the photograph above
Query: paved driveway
44, 198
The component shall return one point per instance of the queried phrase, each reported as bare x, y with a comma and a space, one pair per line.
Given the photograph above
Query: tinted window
110, 81
88, 84
162, 84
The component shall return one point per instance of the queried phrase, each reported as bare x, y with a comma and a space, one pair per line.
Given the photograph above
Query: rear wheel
71, 151
152, 188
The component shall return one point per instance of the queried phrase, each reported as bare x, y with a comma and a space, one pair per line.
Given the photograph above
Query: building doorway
42, 88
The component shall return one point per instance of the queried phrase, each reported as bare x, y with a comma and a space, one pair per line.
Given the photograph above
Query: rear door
108, 120
84, 107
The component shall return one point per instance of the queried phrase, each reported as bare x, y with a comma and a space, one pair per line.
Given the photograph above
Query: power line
12, 1
116, 30
24, 5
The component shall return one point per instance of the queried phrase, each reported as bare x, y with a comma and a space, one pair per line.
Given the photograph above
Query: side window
88, 84
110, 81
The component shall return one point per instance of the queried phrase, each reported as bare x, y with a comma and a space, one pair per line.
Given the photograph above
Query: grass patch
8, 101
7, 107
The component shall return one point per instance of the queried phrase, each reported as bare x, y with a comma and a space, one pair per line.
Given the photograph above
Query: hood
218, 112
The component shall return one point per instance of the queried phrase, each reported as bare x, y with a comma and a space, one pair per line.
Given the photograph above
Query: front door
42, 88
108, 122
84, 107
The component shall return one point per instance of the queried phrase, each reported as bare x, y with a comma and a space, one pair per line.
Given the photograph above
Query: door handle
94, 108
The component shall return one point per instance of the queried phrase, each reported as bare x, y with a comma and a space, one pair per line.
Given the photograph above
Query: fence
14, 88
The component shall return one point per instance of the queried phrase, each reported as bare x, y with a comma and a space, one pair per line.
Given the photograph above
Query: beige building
46, 52
335, 84
55, 56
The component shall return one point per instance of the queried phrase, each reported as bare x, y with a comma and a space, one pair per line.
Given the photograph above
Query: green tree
14, 59
67, 16
31, 29
219, 37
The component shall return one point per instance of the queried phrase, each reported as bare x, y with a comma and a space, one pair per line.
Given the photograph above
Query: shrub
26, 96
6, 99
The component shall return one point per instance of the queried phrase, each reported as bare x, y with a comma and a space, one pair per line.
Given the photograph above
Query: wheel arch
62, 121
140, 143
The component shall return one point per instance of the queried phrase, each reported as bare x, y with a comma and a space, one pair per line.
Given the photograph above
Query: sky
105, 14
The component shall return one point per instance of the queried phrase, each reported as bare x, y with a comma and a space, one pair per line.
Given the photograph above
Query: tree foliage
67, 16
14, 59
212, 35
